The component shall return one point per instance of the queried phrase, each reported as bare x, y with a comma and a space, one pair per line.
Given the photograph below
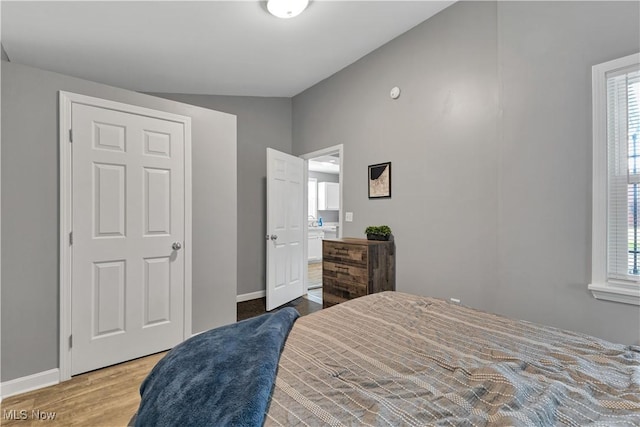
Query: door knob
176, 246
274, 237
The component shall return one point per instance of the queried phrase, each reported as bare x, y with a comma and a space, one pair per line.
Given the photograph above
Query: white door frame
66, 99
323, 152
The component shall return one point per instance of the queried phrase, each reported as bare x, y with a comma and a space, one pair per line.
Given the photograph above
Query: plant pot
377, 237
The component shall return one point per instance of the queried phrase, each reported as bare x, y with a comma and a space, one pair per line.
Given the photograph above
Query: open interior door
285, 231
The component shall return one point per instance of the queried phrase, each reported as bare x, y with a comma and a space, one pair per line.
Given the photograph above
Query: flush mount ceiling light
286, 8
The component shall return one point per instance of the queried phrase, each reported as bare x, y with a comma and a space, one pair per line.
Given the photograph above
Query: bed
397, 359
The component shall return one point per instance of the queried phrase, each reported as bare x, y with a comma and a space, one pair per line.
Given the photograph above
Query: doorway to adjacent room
324, 204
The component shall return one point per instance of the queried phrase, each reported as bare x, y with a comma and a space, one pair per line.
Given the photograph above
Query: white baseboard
314, 298
30, 383
250, 296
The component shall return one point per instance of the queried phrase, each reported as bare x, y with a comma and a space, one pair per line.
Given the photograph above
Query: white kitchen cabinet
330, 233
328, 196
315, 245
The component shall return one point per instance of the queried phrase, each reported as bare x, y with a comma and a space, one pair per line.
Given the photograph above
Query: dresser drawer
344, 272
335, 291
341, 287
328, 300
345, 253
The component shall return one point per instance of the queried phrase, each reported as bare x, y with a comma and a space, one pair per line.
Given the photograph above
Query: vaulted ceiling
203, 47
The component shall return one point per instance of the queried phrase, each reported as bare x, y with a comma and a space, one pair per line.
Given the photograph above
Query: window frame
601, 287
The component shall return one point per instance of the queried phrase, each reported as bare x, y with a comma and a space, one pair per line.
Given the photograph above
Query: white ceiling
203, 47
326, 164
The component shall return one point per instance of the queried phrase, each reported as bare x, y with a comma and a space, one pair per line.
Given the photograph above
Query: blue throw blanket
222, 377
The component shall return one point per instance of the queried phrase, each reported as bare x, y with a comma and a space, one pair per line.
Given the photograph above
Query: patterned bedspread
397, 359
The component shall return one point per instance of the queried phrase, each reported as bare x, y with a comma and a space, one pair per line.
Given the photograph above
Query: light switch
348, 216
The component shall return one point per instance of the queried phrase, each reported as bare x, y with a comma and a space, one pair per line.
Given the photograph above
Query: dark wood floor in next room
258, 306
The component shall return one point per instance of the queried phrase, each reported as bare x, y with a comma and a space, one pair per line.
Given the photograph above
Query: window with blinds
623, 154
615, 243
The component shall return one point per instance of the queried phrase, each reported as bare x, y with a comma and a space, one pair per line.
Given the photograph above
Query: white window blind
623, 174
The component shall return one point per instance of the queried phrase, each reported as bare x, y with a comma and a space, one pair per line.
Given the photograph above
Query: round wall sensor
395, 92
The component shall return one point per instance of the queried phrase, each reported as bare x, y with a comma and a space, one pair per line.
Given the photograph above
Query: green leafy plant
379, 230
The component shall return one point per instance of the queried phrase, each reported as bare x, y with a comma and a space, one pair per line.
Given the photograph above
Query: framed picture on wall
380, 181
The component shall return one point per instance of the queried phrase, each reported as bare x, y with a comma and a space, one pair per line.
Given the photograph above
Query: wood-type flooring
107, 397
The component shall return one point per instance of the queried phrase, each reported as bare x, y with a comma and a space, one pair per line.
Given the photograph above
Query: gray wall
30, 212
262, 123
490, 144
3, 54
546, 53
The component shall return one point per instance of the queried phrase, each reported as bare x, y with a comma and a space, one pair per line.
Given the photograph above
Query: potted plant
378, 232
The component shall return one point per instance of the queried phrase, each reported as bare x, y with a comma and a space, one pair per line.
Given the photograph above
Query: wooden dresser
356, 267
